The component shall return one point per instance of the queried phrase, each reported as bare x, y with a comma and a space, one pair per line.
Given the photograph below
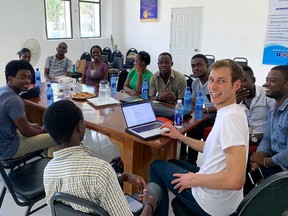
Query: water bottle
49, 93
199, 106
38, 77
179, 111
73, 68
187, 99
113, 84
144, 94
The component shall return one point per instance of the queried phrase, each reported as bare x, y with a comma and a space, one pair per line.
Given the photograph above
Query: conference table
136, 154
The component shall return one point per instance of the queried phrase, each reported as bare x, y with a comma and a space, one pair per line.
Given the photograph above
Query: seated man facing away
74, 171
58, 65
167, 84
18, 137
256, 105
216, 187
272, 152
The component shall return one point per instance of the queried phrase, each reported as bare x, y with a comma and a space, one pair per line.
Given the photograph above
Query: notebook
141, 120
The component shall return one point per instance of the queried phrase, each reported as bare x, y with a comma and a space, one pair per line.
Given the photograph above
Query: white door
185, 37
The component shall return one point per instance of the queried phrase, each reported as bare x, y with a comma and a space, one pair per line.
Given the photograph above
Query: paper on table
96, 102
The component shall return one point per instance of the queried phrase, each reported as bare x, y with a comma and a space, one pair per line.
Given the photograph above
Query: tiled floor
101, 147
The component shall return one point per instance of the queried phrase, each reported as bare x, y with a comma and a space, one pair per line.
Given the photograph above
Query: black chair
242, 61
117, 63
78, 74
58, 208
25, 184
108, 52
130, 58
105, 58
270, 197
189, 81
121, 80
114, 54
211, 59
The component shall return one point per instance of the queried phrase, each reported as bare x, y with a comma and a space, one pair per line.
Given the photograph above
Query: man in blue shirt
272, 152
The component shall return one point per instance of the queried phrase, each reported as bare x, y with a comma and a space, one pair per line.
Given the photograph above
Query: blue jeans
161, 172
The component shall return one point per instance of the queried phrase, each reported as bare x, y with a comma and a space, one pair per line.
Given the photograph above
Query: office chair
130, 58
211, 59
58, 208
117, 63
25, 184
242, 61
268, 198
108, 52
105, 58
114, 54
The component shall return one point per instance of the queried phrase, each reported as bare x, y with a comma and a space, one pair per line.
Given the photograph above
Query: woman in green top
133, 83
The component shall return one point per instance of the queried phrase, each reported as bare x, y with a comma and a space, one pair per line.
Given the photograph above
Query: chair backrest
85, 56
270, 197
107, 51
211, 59
115, 53
58, 208
189, 81
242, 61
117, 62
105, 58
121, 80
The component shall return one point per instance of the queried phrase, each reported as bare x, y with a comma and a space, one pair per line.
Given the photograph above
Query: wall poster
148, 10
276, 42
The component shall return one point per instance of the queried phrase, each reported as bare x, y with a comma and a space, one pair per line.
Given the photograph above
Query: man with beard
200, 69
272, 152
58, 65
18, 137
167, 84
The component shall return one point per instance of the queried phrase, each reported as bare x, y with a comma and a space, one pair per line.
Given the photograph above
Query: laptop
141, 120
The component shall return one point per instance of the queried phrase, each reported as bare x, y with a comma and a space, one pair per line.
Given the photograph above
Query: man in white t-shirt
217, 187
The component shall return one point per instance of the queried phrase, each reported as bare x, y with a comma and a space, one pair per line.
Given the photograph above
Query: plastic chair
25, 184
105, 58
81, 66
117, 63
189, 81
114, 54
108, 52
130, 58
121, 80
211, 59
268, 198
58, 208
242, 61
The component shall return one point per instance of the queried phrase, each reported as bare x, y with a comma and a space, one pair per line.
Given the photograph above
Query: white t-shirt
230, 129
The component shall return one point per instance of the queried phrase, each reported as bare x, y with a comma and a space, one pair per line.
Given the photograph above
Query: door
185, 37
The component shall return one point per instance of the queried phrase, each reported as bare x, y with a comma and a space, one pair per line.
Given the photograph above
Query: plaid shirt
74, 171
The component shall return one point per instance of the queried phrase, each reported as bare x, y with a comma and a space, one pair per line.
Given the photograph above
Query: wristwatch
254, 138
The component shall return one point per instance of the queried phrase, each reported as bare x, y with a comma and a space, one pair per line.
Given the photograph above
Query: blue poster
148, 10
276, 43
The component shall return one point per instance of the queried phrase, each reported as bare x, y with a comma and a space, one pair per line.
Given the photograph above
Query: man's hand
136, 181
258, 157
173, 133
242, 94
168, 97
183, 181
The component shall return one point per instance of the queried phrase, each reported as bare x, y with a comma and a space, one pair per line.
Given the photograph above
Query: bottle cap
179, 101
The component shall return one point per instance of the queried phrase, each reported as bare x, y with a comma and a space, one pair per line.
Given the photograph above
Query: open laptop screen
138, 113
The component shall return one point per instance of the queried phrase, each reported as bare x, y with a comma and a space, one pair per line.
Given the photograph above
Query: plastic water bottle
144, 94
113, 84
38, 77
73, 69
179, 111
199, 106
187, 99
49, 93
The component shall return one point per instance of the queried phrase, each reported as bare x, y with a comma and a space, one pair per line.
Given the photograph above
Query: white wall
230, 28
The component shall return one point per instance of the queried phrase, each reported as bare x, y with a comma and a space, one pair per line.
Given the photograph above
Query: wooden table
136, 154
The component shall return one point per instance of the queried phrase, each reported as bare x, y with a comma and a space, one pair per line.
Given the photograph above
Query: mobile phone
255, 176
135, 206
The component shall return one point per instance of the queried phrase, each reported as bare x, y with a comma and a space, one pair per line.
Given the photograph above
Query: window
89, 14
58, 19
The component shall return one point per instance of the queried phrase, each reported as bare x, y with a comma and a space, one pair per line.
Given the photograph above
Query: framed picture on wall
148, 10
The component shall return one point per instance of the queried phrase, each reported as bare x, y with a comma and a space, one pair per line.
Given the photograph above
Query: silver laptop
141, 120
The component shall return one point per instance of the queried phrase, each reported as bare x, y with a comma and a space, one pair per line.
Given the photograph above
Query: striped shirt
74, 171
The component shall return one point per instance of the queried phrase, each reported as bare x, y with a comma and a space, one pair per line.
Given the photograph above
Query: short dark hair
283, 69
60, 120
237, 72
64, 44
144, 56
166, 53
95, 46
22, 51
202, 57
248, 70
14, 66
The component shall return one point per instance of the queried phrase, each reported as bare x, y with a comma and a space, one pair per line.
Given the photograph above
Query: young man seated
74, 171
18, 137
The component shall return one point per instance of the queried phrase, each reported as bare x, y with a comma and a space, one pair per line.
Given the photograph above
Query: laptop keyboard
147, 127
